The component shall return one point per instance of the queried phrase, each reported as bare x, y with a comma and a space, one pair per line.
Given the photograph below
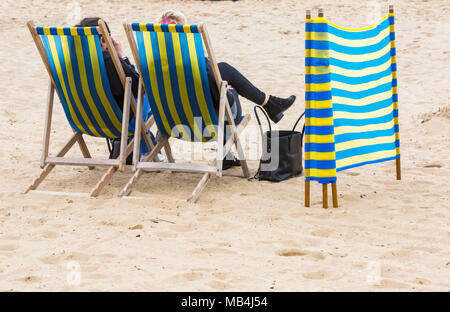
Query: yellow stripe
154, 81
318, 104
319, 138
362, 86
168, 85
51, 41
73, 31
73, 89
87, 31
60, 31
157, 27
358, 129
197, 83
364, 142
187, 28
315, 87
314, 121
374, 114
98, 84
182, 85
320, 155
364, 158
318, 70
320, 173
172, 28
317, 53
364, 101
85, 87
143, 27
46, 31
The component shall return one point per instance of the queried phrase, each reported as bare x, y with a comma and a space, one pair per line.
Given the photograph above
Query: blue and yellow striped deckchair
351, 99
74, 60
172, 65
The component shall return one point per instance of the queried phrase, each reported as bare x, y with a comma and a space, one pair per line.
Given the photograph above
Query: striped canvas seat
78, 69
173, 69
172, 63
351, 97
74, 61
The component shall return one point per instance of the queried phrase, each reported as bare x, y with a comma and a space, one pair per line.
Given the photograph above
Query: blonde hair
177, 17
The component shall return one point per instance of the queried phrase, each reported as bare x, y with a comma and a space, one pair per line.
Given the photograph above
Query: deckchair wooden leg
334, 193
49, 167
325, 195
169, 154
199, 188
103, 181
128, 187
307, 194
84, 149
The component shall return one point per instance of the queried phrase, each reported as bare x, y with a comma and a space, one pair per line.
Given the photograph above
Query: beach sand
387, 235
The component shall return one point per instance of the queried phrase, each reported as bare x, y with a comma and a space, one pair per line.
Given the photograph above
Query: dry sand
386, 235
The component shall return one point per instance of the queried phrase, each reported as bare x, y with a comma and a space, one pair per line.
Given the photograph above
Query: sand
387, 235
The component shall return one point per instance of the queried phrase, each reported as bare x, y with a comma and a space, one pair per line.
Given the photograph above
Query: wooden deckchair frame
334, 185
48, 163
222, 149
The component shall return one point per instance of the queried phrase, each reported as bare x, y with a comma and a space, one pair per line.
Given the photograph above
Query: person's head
172, 17
93, 22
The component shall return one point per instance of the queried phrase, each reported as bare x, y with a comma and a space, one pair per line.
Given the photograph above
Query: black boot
230, 161
276, 106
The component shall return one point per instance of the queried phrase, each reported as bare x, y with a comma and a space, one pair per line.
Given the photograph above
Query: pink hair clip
167, 20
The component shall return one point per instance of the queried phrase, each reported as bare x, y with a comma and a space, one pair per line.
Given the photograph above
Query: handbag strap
295, 125
259, 122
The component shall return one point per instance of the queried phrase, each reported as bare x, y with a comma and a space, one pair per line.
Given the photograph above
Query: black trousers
235, 79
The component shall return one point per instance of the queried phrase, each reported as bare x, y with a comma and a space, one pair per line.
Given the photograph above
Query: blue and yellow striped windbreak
173, 67
351, 97
78, 69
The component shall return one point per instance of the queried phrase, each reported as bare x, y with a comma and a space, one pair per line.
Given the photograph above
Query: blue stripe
319, 147
324, 78
339, 122
66, 82
93, 89
79, 88
189, 80
317, 95
105, 82
175, 86
358, 95
320, 130
317, 61
319, 113
322, 45
368, 162
363, 109
179, 28
320, 164
58, 85
159, 78
362, 150
321, 180
204, 77
340, 138
146, 77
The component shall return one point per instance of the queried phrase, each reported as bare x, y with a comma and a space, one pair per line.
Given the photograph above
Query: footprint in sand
433, 166
291, 253
78, 256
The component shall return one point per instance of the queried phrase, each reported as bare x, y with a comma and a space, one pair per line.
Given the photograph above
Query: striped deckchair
351, 99
172, 65
74, 61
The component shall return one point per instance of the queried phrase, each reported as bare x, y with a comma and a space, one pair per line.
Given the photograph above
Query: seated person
237, 82
116, 85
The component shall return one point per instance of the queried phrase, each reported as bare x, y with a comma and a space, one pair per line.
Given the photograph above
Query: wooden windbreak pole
334, 192
325, 195
307, 183
397, 161
320, 12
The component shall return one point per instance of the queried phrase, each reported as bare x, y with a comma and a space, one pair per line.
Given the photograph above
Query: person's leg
274, 106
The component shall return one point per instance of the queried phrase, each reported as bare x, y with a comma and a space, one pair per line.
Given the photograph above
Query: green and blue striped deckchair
172, 65
74, 60
351, 99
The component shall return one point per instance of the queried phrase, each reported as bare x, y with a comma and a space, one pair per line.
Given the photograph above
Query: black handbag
282, 152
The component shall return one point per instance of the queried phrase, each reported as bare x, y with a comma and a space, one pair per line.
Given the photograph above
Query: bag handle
295, 125
259, 122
